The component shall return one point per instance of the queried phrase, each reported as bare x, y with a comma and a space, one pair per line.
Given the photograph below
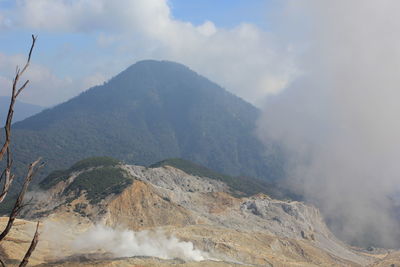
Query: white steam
126, 243
103, 240
339, 123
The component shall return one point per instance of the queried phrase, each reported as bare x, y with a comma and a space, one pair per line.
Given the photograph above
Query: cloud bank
245, 59
339, 123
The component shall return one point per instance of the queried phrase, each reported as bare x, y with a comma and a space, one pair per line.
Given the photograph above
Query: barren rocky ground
195, 214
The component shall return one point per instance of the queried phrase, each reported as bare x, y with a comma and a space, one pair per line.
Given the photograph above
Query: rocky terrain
165, 217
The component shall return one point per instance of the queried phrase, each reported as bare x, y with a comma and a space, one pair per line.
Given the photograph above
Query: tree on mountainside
6, 157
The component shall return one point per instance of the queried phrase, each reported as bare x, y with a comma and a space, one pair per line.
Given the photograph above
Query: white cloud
93, 80
207, 28
5, 22
45, 88
244, 59
2, 22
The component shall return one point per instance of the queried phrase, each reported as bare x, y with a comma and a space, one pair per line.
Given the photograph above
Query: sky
83, 43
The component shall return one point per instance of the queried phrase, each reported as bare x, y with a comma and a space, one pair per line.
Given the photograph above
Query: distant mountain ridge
151, 111
22, 110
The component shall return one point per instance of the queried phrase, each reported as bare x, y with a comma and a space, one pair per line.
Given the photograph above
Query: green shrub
61, 175
99, 183
54, 178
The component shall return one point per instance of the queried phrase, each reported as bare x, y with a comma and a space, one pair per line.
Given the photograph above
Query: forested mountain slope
151, 111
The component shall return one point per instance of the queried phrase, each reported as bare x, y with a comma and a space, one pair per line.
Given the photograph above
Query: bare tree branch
8, 177
19, 202
22, 88
14, 94
32, 247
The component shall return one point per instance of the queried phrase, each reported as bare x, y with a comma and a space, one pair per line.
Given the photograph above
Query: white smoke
126, 243
339, 123
116, 242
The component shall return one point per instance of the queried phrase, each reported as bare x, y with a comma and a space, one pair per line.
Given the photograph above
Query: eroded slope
200, 212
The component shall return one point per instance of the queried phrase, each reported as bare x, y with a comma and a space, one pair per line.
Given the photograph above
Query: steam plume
339, 122
117, 243
126, 243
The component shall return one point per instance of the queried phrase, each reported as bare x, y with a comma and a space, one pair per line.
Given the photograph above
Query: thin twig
32, 247
22, 88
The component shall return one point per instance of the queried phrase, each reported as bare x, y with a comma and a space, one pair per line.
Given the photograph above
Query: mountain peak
154, 62
151, 111
151, 66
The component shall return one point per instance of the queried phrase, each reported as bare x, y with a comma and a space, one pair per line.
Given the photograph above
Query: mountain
22, 110
106, 213
151, 111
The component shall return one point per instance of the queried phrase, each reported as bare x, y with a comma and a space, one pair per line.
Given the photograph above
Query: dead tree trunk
7, 177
